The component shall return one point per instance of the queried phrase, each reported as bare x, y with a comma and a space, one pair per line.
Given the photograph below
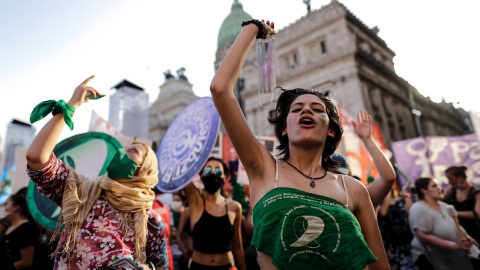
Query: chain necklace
312, 184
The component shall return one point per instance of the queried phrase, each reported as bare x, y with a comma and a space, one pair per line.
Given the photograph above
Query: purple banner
430, 156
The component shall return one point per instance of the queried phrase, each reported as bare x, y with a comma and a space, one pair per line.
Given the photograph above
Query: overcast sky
48, 47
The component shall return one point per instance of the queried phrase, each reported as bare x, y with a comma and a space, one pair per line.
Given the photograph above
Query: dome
232, 25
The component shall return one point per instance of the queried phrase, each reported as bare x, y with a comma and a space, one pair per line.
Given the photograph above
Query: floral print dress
99, 240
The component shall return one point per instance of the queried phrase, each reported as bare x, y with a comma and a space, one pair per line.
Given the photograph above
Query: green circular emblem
89, 154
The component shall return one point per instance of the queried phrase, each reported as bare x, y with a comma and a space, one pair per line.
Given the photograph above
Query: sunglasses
208, 170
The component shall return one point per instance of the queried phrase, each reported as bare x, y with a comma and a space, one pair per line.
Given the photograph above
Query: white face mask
4, 213
176, 206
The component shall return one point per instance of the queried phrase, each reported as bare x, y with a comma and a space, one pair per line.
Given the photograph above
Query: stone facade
175, 94
330, 49
19, 134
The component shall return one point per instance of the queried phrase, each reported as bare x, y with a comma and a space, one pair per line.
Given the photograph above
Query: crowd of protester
417, 229
388, 223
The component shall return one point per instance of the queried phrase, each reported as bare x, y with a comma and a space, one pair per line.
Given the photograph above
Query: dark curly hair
279, 121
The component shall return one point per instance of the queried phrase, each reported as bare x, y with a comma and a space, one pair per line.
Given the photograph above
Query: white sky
48, 47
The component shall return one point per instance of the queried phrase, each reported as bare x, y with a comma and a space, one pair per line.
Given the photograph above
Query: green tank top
301, 230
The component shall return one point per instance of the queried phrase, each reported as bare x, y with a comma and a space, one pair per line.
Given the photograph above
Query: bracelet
259, 24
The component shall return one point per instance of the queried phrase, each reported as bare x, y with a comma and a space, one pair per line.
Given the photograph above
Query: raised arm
195, 202
38, 154
381, 186
250, 151
406, 196
181, 230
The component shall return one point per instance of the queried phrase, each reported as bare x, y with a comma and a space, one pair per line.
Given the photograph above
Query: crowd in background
123, 214
24, 243
422, 226
418, 229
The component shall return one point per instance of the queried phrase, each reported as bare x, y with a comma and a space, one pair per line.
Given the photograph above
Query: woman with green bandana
305, 216
105, 218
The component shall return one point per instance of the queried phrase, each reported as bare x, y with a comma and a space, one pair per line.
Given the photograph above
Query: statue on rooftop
168, 74
181, 74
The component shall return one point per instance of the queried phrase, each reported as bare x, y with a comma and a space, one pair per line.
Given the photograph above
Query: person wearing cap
343, 167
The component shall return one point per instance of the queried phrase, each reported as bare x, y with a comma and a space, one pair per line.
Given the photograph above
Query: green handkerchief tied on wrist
121, 166
45, 107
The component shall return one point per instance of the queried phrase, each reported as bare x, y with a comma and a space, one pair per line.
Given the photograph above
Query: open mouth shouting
307, 122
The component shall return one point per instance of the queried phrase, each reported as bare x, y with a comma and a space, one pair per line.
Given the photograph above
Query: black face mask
212, 182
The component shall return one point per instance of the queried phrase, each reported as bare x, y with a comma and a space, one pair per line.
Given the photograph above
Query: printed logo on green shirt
308, 229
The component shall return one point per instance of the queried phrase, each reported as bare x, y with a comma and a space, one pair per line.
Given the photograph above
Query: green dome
232, 25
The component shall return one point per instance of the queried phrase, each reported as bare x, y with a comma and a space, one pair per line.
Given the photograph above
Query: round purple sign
187, 144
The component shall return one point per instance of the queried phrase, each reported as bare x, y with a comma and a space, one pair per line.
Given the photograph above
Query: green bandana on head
121, 166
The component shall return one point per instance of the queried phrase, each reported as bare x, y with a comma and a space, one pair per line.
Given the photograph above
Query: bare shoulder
357, 192
234, 205
354, 185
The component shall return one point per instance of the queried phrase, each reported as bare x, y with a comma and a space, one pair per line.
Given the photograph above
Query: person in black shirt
215, 222
465, 198
20, 237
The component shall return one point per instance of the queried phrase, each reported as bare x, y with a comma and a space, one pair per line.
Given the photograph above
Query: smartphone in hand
125, 263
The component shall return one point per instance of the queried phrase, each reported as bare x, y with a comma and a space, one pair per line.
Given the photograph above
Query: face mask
176, 206
212, 182
460, 186
4, 213
121, 166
